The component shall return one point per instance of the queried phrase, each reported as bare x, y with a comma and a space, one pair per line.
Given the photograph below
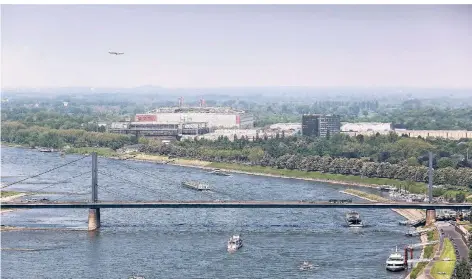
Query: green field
446, 267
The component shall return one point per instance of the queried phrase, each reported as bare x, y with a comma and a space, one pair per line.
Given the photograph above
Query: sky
186, 46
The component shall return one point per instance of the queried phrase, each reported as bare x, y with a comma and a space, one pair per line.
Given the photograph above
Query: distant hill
286, 93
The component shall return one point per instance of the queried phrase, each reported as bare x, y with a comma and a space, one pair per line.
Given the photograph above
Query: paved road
229, 204
456, 238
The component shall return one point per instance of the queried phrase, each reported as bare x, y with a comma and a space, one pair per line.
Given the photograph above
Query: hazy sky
211, 46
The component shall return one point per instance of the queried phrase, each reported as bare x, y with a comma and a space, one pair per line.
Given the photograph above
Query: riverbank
8, 198
5, 194
349, 180
12, 197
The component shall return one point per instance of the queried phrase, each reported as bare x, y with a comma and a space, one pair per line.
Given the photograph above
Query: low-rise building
366, 127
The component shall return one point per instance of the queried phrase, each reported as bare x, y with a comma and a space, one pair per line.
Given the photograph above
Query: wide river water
185, 243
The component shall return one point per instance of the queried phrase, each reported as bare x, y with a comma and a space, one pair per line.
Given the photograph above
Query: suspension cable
103, 187
140, 171
50, 170
63, 181
129, 181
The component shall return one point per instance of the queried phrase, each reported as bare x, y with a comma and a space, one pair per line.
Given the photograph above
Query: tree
445, 162
462, 270
360, 138
460, 197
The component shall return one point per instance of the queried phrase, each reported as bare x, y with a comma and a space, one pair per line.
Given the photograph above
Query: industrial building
319, 125
366, 127
158, 130
285, 129
215, 117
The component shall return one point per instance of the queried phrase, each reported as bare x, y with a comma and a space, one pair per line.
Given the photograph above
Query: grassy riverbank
444, 269
4, 194
101, 151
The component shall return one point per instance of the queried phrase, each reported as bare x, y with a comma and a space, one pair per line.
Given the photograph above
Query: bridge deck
229, 204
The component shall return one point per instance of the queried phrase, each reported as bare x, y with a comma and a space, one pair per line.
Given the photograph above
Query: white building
366, 127
286, 126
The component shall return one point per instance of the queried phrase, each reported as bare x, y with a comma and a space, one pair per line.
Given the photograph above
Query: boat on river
195, 185
219, 172
395, 262
306, 266
234, 243
44, 149
353, 219
388, 188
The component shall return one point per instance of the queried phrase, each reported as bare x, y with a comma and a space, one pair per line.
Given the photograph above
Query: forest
33, 136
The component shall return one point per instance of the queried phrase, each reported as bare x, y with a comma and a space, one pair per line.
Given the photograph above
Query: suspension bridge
94, 205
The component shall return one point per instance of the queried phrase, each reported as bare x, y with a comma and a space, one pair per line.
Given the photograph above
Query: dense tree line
462, 270
424, 118
378, 156
58, 119
389, 148
15, 132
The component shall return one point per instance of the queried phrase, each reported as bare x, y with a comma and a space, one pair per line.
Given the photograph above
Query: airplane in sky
116, 53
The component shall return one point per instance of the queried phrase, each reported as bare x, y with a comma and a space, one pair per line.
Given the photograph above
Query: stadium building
179, 121
215, 117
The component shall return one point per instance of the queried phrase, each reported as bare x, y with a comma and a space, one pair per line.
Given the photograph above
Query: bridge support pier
94, 213
430, 216
94, 219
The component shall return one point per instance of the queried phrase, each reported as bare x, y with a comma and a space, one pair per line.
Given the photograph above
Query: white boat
353, 219
195, 185
234, 243
306, 266
395, 262
219, 172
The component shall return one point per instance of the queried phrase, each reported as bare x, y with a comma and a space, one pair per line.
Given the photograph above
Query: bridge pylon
94, 213
430, 213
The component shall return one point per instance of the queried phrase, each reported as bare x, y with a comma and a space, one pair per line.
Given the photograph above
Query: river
185, 243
